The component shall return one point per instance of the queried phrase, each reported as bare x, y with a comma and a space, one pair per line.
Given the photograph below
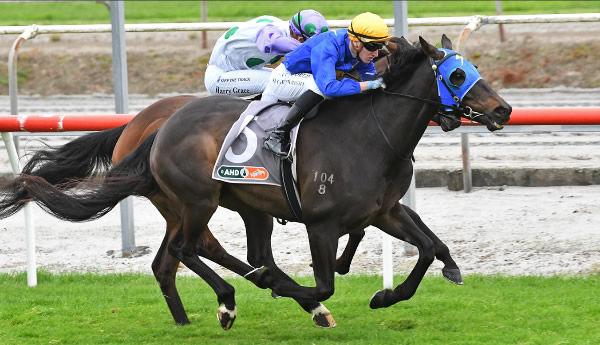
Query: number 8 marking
322, 189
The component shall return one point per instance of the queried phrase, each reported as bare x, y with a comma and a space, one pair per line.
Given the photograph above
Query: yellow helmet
368, 27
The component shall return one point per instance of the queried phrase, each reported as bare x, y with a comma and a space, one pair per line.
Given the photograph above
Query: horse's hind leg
164, 267
184, 246
259, 254
342, 264
210, 248
442, 253
398, 223
259, 227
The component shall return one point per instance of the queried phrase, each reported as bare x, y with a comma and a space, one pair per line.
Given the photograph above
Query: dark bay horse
91, 154
349, 204
96, 152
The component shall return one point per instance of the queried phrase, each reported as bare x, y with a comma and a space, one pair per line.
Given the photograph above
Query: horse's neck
378, 127
407, 119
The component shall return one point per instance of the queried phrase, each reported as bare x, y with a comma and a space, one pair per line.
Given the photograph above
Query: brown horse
91, 153
371, 177
95, 152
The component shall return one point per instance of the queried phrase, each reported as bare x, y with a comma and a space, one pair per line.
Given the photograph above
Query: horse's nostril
503, 109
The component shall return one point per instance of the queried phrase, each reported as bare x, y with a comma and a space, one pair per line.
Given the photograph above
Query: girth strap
290, 189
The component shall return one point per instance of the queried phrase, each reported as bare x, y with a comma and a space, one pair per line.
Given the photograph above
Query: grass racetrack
129, 309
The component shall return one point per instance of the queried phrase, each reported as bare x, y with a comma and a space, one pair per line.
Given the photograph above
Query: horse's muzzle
498, 118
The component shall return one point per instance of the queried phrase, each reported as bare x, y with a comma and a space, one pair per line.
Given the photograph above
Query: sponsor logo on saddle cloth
242, 158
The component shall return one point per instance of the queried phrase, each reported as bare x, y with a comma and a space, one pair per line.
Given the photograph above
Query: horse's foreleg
442, 253
323, 240
342, 264
399, 224
259, 227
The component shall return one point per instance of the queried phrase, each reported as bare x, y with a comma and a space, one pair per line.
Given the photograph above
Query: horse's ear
392, 47
402, 41
430, 50
446, 43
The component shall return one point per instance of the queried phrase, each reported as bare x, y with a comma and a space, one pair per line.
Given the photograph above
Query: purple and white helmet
308, 23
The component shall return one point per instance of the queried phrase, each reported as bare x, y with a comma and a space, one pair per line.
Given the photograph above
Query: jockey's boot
278, 139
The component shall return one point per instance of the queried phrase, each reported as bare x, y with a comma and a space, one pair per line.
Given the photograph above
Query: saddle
242, 158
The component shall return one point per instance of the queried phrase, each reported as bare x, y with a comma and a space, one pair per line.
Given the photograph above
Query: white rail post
474, 24
119, 64
400, 29
13, 154
28, 209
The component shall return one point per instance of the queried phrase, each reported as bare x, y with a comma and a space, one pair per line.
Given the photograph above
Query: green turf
87, 12
129, 309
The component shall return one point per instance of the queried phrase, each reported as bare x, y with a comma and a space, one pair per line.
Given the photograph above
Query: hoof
382, 299
226, 316
453, 275
342, 268
259, 276
322, 317
183, 322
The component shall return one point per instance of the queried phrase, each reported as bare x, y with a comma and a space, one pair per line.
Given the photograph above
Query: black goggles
373, 46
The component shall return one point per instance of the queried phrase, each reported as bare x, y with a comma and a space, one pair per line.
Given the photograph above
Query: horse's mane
403, 61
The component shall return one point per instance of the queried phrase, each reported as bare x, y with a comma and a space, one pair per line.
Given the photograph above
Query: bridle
457, 110
453, 111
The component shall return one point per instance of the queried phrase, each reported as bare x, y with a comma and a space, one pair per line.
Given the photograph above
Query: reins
457, 110
385, 137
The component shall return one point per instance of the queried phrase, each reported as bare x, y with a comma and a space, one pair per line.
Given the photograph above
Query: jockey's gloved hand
375, 84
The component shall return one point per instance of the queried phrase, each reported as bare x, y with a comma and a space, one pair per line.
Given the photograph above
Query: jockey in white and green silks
237, 63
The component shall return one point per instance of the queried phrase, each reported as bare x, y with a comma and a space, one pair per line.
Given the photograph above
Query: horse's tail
95, 197
80, 158
77, 159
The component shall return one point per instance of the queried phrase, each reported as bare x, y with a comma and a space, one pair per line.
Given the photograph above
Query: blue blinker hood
449, 93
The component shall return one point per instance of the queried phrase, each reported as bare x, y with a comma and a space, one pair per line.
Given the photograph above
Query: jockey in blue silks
308, 74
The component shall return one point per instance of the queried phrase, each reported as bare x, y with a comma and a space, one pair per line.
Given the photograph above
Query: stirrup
283, 154
277, 138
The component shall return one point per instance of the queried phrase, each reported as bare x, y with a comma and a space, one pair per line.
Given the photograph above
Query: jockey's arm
323, 59
367, 72
270, 39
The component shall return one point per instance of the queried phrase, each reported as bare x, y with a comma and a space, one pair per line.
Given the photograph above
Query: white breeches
287, 87
245, 82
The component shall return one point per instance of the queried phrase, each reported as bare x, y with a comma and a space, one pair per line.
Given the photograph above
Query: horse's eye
458, 77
